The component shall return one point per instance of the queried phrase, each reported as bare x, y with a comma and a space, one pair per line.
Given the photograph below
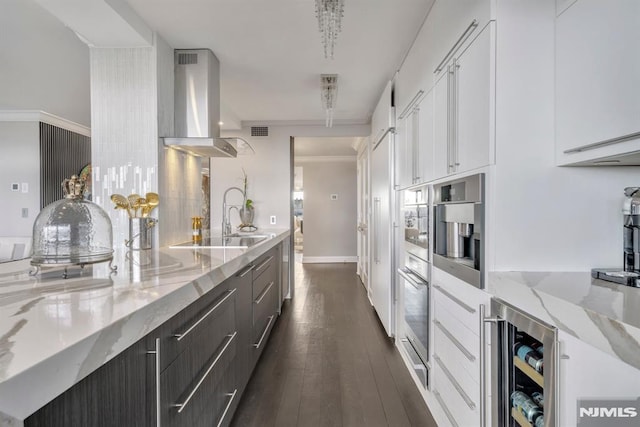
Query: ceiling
271, 56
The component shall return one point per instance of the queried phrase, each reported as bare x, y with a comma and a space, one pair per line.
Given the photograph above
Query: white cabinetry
464, 110
588, 373
384, 115
414, 133
456, 348
597, 80
381, 291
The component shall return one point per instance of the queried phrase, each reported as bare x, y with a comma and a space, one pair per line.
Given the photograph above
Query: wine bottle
529, 355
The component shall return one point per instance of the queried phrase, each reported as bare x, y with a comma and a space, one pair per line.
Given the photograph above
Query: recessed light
220, 123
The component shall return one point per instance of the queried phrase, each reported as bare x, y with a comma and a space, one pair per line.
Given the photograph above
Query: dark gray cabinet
190, 371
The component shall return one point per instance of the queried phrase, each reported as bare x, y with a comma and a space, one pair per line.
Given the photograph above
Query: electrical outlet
272, 220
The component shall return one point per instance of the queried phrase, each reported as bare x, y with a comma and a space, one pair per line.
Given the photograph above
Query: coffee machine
630, 273
459, 228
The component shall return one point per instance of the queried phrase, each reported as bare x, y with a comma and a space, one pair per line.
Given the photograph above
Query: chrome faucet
226, 224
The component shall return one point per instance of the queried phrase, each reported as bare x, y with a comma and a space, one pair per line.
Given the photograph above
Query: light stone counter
603, 314
55, 331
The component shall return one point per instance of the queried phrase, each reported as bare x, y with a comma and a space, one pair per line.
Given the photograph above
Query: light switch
25, 187
15, 186
272, 220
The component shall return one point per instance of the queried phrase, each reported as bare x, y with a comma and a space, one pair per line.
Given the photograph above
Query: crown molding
44, 117
336, 122
324, 159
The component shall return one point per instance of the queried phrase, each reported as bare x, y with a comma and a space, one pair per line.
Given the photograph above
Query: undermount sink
236, 240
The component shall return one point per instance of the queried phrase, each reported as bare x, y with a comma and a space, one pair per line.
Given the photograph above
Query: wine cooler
524, 363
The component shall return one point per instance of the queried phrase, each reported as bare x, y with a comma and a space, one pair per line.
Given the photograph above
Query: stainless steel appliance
414, 279
524, 363
630, 274
458, 232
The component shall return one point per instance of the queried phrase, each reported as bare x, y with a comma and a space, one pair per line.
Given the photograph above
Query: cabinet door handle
376, 227
264, 333
455, 384
181, 406
454, 299
156, 353
604, 143
265, 262
192, 327
232, 396
455, 342
247, 271
263, 294
470, 29
447, 412
483, 373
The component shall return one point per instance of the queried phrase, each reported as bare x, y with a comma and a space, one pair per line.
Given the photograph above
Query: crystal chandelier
329, 14
328, 95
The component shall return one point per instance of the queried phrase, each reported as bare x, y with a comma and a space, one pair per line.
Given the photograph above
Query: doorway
325, 199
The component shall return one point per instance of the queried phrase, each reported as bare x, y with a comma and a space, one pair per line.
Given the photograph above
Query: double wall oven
414, 277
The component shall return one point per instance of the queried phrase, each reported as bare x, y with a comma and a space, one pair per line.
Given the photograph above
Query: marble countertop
55, 331
603, 314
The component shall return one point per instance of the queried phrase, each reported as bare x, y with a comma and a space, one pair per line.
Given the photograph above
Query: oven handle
415, 283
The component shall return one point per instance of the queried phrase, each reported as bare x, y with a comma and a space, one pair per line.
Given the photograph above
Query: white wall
44, 65
330, 225
545, 217
268, 171
20, 143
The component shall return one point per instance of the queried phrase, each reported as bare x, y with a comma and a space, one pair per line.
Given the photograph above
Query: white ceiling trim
324, 159
249, 123
44, 117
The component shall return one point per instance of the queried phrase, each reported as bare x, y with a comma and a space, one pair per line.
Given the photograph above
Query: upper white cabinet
443, 30
415, 140
464, 113
384, 115
597, 80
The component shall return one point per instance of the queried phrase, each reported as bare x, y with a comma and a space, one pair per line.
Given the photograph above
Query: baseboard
328, 259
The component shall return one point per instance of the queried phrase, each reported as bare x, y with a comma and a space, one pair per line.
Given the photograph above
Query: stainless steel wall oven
414, 279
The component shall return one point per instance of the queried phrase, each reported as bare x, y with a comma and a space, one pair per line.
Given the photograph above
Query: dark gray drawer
263, 307
263, 281
179, 332
188, 384
264, 262
222, 404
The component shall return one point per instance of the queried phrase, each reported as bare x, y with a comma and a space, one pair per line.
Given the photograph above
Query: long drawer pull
455, 342
263, 294
247, 271
265, 262
264, 333
156, 353
183, 405
455, 299
192, 327
226, 408
457, 386
444, 407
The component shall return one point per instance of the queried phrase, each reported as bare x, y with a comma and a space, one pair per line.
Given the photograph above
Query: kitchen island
55, 332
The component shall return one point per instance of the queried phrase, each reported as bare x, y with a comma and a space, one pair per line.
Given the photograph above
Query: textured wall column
132, 94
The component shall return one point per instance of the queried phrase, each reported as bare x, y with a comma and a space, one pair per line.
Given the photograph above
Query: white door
363, 217
381, 289
473, 104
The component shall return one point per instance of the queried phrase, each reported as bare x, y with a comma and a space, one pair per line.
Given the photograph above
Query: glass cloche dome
72, 231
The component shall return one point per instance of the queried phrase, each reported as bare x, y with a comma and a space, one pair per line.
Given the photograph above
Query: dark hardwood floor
329, 362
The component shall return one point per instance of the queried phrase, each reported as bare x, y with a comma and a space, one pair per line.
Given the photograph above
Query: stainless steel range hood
197, 105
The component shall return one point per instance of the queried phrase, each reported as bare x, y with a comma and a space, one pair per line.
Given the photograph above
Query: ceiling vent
259, 131
187, 58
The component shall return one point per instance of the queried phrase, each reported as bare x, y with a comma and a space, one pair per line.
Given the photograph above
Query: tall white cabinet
381, 206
